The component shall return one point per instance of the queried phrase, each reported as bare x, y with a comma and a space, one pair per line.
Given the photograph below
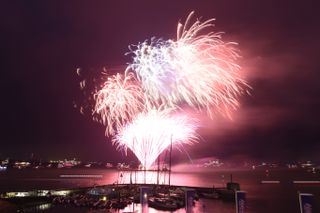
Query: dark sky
43, 42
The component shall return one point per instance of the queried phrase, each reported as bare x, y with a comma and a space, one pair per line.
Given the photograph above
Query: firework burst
119, 100
150, 133
197, 69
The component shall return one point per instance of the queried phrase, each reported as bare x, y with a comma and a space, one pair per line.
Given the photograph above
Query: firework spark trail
198, 69
120, 99
150, 133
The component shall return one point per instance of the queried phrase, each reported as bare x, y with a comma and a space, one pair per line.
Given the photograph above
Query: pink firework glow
198, 69
150, 133
120, 99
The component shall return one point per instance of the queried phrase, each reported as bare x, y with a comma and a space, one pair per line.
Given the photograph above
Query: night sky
43, 42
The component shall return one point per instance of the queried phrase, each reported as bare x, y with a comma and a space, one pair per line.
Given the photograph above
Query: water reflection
140, 177
202, 179
201, 206
38, 208
283, 195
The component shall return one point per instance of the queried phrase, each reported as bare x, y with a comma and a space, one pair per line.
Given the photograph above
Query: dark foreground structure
116, 196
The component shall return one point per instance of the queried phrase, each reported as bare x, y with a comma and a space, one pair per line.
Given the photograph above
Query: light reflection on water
200, 179
203, 206
262, 198
37, 208
19, 180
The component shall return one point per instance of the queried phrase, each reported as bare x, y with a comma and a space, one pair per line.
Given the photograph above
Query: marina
82, 194
160, 197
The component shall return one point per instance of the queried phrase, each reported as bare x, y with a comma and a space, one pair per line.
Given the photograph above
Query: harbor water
279, 196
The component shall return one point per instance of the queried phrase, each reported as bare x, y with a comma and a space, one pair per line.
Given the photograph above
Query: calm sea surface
264, 198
